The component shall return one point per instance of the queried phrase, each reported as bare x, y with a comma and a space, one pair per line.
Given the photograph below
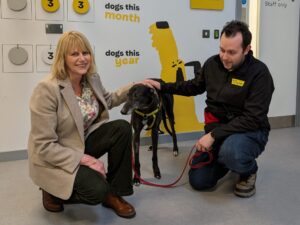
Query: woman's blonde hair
68, 41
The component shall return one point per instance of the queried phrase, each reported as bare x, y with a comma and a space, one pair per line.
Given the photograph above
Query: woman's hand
93, 163
99, 167
204, 144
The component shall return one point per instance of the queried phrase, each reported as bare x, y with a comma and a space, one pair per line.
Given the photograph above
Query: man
239, 90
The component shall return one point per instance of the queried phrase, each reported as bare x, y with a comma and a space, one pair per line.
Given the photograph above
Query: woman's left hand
99, 167
93, 163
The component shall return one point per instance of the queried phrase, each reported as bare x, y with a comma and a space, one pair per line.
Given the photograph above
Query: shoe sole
127, 216
244, 193
54, 210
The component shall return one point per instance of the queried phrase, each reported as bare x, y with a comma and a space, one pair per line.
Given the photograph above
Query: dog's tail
164, 119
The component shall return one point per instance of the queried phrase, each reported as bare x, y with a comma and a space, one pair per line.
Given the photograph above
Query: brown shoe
119, 205
52, 203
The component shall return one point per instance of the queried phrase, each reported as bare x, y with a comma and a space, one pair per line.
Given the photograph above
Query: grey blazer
56, 140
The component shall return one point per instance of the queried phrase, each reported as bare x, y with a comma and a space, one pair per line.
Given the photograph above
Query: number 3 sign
50, 5
81, 6
48, 55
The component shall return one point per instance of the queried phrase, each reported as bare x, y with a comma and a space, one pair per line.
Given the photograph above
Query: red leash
188, 161
201, 164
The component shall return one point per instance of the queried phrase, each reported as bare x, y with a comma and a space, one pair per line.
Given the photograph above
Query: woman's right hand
93, 163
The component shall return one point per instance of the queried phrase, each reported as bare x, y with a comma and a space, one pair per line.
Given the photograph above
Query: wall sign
17, 5
81, 11
173, 70
50, 5
18, 56
49, 10
81, 6
207, 4
48, 55
16, 9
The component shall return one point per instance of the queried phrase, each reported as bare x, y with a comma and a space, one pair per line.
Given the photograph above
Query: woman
70, 131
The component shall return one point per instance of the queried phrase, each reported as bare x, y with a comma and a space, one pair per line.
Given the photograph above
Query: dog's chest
147, 120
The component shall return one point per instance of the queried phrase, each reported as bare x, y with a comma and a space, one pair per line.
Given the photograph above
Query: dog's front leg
154, 135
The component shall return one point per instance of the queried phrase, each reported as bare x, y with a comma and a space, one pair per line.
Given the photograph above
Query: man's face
232, 53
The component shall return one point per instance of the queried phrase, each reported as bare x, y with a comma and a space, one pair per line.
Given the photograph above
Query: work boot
119, 205
52, 203
245, 187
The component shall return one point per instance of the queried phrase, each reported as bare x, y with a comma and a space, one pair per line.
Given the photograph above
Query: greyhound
149, 107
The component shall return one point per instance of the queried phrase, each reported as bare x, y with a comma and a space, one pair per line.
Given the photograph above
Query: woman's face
78, 62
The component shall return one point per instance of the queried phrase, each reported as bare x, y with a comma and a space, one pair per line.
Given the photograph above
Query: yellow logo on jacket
237, 82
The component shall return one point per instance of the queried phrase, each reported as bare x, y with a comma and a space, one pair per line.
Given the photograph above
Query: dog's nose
125, 109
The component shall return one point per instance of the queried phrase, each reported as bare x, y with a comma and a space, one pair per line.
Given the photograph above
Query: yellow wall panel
207, 4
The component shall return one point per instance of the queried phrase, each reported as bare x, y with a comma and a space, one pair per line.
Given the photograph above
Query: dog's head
140, 97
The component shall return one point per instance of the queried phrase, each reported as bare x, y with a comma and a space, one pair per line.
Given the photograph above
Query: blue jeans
236, 153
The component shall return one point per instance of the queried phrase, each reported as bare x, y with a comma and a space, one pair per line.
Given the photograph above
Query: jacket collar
242, 69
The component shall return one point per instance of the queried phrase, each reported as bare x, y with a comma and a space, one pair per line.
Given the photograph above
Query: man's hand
204, 144
151, 83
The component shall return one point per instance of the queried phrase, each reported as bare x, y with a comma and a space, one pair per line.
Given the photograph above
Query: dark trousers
237, 153
115, 139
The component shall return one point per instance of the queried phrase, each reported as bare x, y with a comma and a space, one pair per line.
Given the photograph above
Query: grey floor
277, 201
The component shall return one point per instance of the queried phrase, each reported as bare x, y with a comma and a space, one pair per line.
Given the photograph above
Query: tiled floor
277, 201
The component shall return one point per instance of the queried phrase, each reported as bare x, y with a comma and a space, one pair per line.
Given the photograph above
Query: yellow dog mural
172, 70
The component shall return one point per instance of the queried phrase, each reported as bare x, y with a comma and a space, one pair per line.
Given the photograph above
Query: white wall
278, 48
104, 34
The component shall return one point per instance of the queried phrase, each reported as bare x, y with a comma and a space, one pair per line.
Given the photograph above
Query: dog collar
146, 115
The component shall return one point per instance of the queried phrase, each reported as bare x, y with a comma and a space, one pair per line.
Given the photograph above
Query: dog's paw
175, 153
157, 174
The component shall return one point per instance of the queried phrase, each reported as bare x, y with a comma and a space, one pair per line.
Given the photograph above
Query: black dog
149, 107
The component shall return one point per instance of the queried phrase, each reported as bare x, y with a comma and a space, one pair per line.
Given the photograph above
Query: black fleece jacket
239, 99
